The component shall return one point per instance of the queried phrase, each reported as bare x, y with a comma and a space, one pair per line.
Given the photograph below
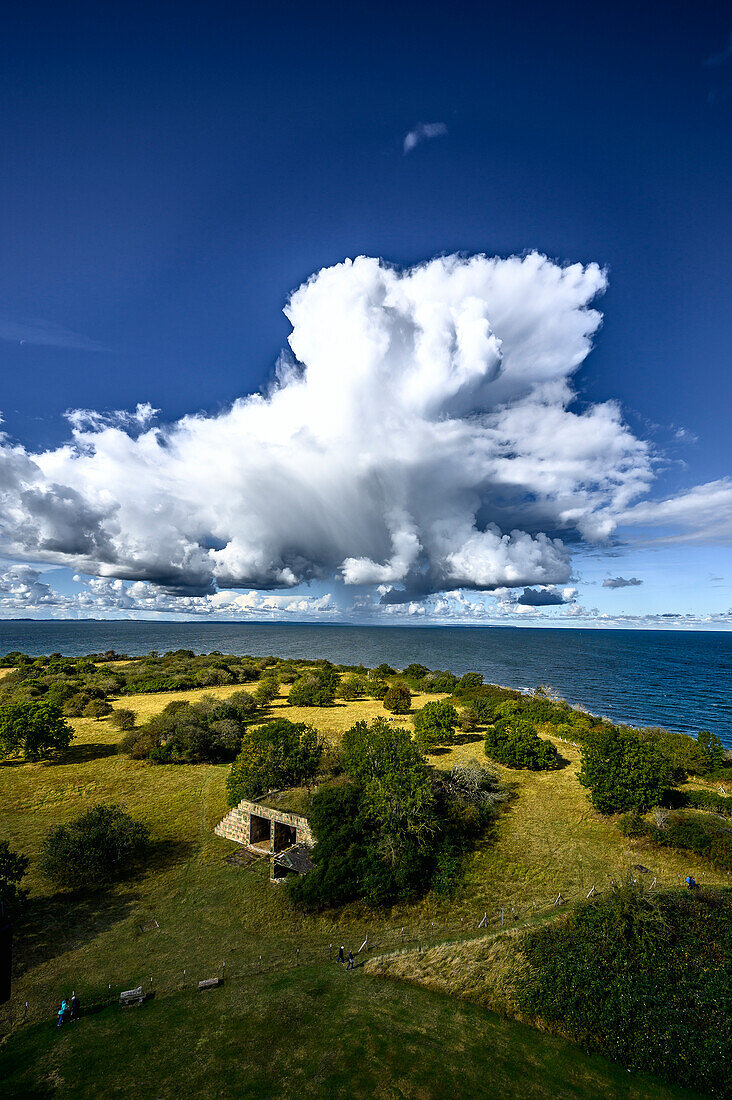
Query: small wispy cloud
424, 131
722, 57
45, 334
621, 582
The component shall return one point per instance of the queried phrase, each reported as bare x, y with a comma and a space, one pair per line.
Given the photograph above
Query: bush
644, 978
353, 687
623, 772
96, 708
398, 699
35, 729
439, 683
435, 724
515, 743
122, 719
278, 754
12, 869
95, 848
377, 689
701, 800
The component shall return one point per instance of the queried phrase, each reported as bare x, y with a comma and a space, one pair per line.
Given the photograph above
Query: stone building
271, 826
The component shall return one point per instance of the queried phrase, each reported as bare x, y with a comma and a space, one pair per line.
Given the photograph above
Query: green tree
435, 724
711, 748
12, 869
622, 772
315, 689
397, 789
36, 729
353, 687
95, 848
267, 690
398, 698
515, 743
277, 754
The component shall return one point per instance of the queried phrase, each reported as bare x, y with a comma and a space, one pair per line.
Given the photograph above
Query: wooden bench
209, 983
132, 997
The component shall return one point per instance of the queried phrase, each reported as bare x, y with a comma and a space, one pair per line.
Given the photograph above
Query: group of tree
205, 732
388, 829
33, 730
316, 688
274, 755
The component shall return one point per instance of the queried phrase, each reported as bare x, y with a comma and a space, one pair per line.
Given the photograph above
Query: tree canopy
622, 772
35, 729
277, 754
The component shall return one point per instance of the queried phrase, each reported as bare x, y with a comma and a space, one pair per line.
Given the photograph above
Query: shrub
398, 698
439, 683
206, 732
435, 724
12, 869
278, 754
122, 719
644, 978
95, 848
35, 729
515, 743
623, 772
378, 689
701, 800
96, 708
468, 720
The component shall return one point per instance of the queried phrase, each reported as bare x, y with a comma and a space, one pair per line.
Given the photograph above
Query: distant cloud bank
424, 131
621, 582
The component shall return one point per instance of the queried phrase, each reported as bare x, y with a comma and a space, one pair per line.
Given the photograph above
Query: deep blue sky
171, 171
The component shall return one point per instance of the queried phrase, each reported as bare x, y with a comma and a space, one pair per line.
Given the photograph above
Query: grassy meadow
211, 912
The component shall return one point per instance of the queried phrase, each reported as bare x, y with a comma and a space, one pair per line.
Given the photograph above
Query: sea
681, 680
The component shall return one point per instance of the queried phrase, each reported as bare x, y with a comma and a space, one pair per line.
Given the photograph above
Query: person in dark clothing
691, 882
75, 1007
340, 955
350, 964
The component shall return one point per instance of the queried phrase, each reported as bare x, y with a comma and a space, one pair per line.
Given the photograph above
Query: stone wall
235, 826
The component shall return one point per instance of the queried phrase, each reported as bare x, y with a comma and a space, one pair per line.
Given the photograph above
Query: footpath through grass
308, 1033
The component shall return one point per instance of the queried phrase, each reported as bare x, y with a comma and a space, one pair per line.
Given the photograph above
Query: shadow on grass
54, 925
82, 754
469, 738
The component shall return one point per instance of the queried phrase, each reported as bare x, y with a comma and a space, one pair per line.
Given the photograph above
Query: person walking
350, 964
62, 1013
75, 1007
341, 958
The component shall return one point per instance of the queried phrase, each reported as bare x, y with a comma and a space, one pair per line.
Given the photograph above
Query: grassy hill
211, 912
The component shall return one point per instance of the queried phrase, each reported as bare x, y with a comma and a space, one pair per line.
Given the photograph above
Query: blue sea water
678, 679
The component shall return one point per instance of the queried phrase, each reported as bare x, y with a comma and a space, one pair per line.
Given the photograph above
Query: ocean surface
676, 679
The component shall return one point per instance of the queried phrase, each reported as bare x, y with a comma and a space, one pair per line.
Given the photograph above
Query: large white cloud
422, 438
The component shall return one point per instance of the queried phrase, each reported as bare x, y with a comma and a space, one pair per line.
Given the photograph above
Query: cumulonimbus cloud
422, 437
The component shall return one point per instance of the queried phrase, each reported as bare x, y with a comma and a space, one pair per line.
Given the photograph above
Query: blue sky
172, 173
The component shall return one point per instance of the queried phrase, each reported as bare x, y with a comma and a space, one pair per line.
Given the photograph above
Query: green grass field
309, 1033
210, 912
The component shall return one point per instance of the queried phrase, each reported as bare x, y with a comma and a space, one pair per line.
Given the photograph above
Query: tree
398, 698
353, 687
36, 729
515, 743
267, 690
711, 748
471, 681
468, 720
435, 724
397, 788
277, 754
415, 672
315, 689
622, 772
95, 848
12, 869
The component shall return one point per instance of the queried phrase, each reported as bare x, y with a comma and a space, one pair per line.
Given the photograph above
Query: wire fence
311, 950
